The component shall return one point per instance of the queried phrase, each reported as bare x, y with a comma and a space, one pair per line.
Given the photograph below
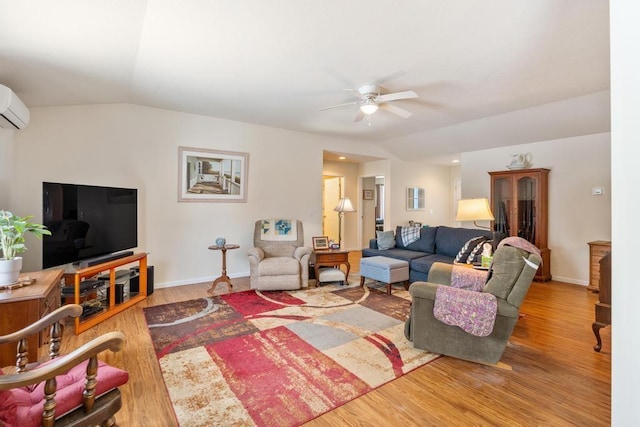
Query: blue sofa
436, 244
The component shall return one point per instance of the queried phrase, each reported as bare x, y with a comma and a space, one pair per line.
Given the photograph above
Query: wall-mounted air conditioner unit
13, 113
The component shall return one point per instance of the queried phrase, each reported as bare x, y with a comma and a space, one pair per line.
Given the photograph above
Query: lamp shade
344, 205
474, 210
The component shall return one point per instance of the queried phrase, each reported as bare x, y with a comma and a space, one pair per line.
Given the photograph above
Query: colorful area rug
279, 358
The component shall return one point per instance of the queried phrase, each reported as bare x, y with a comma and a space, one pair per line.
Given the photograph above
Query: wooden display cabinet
519, 201
110, 308
23, 306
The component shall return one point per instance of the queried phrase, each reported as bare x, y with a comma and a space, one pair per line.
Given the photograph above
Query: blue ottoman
386, 270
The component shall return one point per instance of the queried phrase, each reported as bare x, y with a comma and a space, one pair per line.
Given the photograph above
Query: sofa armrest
255, 255
373, 244
301, 251
440, 273
424, 290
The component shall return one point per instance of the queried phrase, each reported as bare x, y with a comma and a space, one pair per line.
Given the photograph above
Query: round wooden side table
223, 277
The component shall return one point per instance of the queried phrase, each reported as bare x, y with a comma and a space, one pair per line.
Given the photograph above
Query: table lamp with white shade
474, 210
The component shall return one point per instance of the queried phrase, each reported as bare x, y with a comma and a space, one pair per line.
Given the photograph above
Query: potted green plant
12, 231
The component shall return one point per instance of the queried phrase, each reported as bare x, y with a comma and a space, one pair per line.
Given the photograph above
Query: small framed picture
321, 242
367, 194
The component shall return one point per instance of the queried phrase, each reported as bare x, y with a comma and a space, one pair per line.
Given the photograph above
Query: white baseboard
196, 280
569, 280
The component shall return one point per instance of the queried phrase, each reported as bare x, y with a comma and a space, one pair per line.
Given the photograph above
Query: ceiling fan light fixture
368, 106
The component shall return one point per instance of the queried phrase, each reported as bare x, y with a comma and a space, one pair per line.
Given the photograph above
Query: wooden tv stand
111, 308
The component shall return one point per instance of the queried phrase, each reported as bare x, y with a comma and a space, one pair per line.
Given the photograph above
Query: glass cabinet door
526, 209
501, 200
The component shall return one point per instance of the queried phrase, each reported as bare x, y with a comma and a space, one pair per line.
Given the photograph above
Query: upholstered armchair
67, 390
467, 323
279, 260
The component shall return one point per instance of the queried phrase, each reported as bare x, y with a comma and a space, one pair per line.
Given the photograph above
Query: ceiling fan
370, 99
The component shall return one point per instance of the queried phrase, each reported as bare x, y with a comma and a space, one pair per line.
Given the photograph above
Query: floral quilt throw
473, 312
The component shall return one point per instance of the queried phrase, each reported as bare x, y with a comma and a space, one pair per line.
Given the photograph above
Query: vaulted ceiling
486, 72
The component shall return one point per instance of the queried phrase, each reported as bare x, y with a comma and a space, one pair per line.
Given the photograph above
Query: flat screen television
87, 222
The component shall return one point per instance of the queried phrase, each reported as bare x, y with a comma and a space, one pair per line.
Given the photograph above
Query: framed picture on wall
211, 175
367, 194
320, 243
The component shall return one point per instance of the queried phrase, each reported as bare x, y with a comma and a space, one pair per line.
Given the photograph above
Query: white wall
436, 180
625, 151
6, 166
133, 146
575, 216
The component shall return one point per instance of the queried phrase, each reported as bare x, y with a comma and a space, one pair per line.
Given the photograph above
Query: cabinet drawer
331, 258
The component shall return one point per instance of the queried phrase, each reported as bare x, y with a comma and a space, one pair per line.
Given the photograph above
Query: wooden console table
111, 308
223, 276
23, 306
332, 258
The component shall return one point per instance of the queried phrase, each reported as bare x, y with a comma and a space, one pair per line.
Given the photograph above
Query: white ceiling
481, 68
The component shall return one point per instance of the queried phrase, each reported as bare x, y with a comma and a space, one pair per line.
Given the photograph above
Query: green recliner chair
510, 275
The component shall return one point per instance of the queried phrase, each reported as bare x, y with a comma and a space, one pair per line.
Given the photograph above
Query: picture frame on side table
367, 194
320, 243
212, 175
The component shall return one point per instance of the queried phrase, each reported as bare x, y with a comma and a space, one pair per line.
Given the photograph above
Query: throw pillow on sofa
470, 250
386, 240
409, 235
476, 255
426, 242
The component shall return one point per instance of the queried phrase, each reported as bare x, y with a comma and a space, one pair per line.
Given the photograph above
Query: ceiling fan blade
396, 110
359, 116
338, 105
397, 95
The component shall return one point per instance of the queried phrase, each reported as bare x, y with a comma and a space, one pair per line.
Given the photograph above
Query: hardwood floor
556, 377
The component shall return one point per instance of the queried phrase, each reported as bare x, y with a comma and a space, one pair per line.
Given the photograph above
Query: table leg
348, 268
596, 330
223, 277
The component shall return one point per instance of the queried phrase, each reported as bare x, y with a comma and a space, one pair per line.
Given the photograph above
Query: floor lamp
344, 205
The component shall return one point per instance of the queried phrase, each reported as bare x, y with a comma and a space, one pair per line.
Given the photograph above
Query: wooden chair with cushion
75, 389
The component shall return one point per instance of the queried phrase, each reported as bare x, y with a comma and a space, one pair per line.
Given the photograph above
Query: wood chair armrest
110, 341
70, 310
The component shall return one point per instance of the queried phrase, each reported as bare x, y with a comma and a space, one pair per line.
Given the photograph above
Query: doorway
331, 192
373, 208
